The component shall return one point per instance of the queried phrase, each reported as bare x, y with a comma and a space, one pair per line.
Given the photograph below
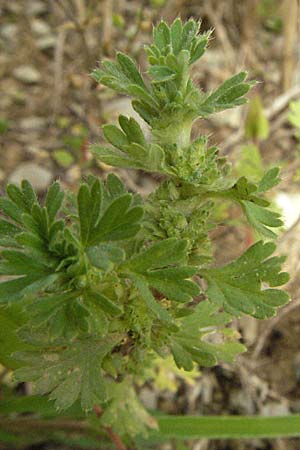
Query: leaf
152, 268
256, 124
104, 256
161, 74
24, 198
119, 221
269, 180
228, 95
115, 136
10, 209
89, 201
254, 206
54, 200
203, 339
150, 301
132, 130
237, 287
19, 263
13, 290
168, 252
125, 414
161, 35
114, 186
68, 372
58, 315
103, 302
250, 163
176, 35
11, 319
261, 218
130, 70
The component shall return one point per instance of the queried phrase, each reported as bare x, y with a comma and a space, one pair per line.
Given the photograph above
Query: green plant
294, 117
106, 281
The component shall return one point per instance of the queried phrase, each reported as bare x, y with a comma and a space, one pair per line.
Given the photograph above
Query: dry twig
270, 326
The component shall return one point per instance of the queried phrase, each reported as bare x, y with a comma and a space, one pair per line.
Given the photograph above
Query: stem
23, 424
115, 438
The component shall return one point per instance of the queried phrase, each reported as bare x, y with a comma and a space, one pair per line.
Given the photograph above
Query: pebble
9, 31
40, 27
275, 409
27, 74
46, 42
36, 7
38, 176
148, 397
33, 123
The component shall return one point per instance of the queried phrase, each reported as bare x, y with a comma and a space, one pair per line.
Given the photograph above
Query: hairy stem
115, 438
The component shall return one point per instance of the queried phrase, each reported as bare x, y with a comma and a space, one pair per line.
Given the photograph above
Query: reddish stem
112, 435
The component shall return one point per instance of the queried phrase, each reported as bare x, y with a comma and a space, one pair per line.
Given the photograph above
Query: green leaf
103, 302
237, 287
119, 221
125, 414
261, 218
105, 256
228, 95
68, 372
153, 305
152, 268
89, 200
10, 209
161, 35
168, 252
58, 315
256, 124
195, 341
176, 35
269, 180
132, 130
129, 69
11, 319
254, 206
13, 290
115, 187
115, 136
161, 74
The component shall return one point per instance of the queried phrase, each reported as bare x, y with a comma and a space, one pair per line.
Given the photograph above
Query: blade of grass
226, 427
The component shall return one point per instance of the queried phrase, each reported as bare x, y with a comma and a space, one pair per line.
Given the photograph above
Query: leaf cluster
106, 281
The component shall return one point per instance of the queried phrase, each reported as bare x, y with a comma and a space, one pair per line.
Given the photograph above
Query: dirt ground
51, 110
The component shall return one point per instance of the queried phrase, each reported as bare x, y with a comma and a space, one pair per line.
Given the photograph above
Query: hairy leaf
238, 288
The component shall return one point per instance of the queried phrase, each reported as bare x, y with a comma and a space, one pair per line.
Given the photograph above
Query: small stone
275, 409
33, 123
148, 397
27, 74
38, 176
9, 31
40, 27
14, 7
46, 42
37, 152
36, 7
73, 174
